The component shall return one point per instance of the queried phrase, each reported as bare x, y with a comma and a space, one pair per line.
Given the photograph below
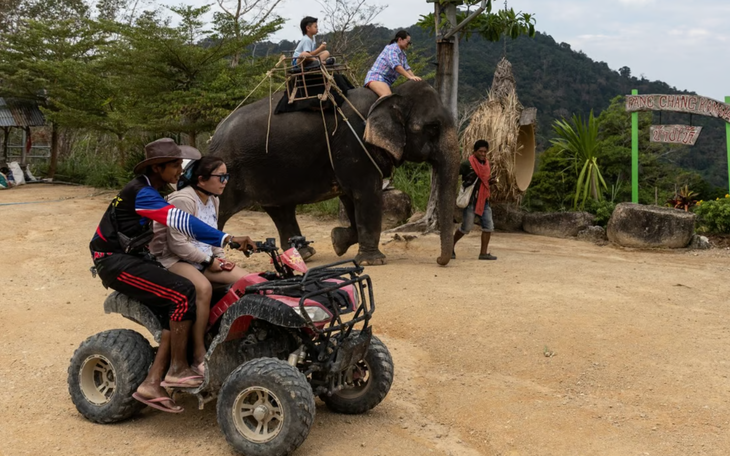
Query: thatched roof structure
510, 129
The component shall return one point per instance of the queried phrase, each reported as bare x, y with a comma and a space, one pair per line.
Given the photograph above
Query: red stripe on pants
180, 300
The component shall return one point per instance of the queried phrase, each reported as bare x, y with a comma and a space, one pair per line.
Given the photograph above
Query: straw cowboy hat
165, 150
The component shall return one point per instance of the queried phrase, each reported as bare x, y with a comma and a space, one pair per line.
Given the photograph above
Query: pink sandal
181, 383
157, 403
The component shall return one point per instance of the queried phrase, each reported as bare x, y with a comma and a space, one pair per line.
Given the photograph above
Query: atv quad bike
276, 340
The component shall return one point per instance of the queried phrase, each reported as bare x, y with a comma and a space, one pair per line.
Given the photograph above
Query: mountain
559, 82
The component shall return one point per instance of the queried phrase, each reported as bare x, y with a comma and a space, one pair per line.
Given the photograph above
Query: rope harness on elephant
329, 84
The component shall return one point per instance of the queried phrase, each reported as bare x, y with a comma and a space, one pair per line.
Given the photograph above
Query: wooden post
23, 148
727, 131
54, 151
634, 154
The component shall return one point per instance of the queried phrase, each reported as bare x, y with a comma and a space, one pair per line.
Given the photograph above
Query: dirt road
639, 343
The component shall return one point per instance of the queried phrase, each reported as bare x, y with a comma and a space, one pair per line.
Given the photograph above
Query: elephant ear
386, 125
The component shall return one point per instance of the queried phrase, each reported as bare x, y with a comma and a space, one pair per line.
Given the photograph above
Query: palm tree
581, 140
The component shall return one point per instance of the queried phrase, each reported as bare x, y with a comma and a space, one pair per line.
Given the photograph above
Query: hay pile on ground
498, 121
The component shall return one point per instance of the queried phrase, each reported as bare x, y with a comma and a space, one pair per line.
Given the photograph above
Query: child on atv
121, 258
202, 264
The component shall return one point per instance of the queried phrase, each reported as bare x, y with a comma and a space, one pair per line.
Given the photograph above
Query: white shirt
206, 214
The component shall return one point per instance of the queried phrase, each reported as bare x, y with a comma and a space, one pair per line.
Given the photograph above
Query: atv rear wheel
105, 370
371, 379
265, 408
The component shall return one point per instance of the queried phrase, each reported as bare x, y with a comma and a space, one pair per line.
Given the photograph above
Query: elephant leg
344, 238
369, 215
285, 219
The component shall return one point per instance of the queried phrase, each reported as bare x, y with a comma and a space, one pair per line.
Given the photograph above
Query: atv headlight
316, 314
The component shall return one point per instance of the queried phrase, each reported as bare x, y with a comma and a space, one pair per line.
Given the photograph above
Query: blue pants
468, 218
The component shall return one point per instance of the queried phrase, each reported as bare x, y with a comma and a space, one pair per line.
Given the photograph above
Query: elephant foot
307, 252
343, 239
370, 258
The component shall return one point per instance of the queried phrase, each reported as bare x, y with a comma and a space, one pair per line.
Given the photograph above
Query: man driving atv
120, 252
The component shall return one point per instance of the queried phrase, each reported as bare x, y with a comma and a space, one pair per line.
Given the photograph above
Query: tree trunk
28, 144
6, 134
122, 154
447, 86
193, 138
54, 151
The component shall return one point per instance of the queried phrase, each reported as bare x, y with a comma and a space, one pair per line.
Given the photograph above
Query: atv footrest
352, 349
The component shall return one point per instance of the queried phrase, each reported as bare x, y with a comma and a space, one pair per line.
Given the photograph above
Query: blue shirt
383, 69
307, 44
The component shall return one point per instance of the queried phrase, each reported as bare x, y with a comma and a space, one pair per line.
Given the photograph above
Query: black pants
170, 297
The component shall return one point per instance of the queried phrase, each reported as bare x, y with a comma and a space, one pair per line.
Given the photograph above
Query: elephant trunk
448, 175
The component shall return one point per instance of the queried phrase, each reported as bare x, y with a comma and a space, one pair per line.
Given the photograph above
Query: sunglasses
223, 177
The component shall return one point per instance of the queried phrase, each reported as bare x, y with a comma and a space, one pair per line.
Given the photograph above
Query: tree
451, 24
581, 140
54, 62
181, 76
245, 21
349, 25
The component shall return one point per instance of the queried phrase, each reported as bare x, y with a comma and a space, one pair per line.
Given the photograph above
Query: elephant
297, 166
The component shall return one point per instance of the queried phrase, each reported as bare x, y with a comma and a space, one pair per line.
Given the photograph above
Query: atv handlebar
269, 245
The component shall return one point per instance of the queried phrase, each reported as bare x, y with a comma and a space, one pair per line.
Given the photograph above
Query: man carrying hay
477, 168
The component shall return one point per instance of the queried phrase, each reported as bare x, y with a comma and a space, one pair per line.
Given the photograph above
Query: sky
683, 43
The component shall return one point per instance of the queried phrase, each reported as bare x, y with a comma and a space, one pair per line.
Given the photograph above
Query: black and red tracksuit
119, 250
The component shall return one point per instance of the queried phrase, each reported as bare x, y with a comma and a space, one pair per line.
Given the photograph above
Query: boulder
635, 225
397, 208
557, 224
507, 217
595, 234
700, 243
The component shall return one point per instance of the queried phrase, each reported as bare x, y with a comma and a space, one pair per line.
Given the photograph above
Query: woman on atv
200, 263
121, 258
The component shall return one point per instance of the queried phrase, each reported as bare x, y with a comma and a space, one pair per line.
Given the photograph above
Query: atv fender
134, 310
260, 308
224, 356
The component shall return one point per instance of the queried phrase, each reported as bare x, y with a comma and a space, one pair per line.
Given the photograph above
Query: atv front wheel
265, 408
370, 380
105, 370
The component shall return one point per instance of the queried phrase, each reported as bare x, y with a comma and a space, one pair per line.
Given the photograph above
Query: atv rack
318, 277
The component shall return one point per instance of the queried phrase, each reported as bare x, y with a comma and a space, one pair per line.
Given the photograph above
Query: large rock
634, 225
397, 208
507, 217
700, 243
557, 224
595, 234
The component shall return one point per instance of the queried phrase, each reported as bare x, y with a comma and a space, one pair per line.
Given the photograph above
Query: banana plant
581, 140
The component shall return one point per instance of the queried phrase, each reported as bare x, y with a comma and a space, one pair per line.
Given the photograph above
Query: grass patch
329, 208
411, 178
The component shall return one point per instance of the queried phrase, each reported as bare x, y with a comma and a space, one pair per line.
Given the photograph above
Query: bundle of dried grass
498, 121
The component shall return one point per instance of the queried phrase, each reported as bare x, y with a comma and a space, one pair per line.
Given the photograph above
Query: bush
414, 179
714, 216
601, 209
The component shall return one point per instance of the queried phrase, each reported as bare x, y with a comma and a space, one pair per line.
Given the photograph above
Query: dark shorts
170, 297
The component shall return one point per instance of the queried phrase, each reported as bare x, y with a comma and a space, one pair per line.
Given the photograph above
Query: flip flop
199, 369
157, 403
181, 383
